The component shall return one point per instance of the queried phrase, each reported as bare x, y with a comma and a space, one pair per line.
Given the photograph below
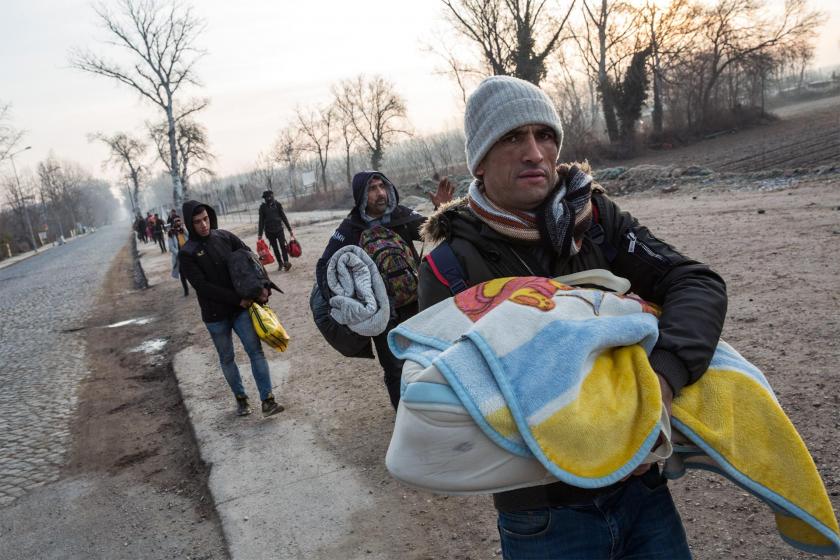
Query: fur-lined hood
436, 228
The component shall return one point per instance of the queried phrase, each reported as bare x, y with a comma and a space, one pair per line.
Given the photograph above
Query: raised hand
445, 190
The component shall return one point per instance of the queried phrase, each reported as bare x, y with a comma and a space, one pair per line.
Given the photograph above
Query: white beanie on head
501, 104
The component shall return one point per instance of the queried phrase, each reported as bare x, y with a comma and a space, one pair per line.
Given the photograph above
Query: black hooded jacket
272, 219
402, 220
203, 260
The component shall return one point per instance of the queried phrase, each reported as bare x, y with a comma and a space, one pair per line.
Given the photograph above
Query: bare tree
161, 43
18, 194
317, 128
192, 146
572, 95
506, 33
61, 190
375, 110
264, 173
126, 153
609, 26
9, 135
672, 34
735, 30
348, 136
287, 150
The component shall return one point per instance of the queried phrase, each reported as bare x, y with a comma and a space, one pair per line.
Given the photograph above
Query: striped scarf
561, 221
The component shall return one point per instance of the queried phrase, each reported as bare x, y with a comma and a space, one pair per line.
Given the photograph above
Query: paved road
42, 300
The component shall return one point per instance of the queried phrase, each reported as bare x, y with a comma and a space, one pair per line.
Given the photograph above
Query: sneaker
243, 407
270, 406
287, 266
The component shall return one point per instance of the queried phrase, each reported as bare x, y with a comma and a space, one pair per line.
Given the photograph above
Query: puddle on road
152, 346
135, 321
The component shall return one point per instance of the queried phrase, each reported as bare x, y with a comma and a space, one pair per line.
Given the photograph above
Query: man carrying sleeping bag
385, 231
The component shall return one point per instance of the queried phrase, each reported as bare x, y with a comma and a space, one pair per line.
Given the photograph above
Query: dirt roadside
131, 433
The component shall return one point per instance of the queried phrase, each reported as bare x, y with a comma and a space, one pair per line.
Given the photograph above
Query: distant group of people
524, 215
169, 235
153, 228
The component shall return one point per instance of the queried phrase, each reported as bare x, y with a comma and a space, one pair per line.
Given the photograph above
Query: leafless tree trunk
126, 153
316, 125
375, 110
287, 150
349, 138
161, 41
604, 53
192, 146
264, 173
673, 34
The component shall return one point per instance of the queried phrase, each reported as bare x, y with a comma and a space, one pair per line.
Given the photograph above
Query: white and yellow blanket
561, 374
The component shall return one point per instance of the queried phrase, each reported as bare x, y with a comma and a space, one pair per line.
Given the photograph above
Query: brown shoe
287, 266
270, 406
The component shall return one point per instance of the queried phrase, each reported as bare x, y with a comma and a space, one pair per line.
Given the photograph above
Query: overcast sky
263, 58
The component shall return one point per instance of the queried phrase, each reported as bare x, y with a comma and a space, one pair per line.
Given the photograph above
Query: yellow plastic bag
268, 326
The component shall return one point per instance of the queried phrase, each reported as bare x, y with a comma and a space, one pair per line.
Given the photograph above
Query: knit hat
266, 194
501, 104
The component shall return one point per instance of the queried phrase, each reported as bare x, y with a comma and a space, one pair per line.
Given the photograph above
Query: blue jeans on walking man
637, 521
222, 334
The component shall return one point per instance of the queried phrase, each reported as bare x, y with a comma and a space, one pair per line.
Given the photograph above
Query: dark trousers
391, 366
184, 284
160, 242
275, 239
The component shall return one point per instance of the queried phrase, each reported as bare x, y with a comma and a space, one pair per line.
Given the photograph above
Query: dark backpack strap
598, 235
444, 265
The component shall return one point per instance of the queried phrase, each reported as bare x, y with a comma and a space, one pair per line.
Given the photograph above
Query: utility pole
25, 198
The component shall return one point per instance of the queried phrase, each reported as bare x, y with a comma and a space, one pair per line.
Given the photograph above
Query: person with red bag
272, 220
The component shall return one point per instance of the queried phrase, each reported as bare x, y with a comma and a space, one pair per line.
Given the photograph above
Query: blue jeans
634, 522
221, 333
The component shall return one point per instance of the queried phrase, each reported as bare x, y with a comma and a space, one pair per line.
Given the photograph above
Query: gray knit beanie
500, 104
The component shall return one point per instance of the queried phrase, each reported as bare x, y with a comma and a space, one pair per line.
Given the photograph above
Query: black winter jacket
692, 296
272, 219
404, 221
203, 261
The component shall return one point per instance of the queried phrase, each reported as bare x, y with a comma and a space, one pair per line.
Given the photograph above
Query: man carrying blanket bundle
527, 216
385, 232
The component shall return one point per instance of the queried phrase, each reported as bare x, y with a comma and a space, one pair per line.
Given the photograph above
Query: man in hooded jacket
203, 260
377, 203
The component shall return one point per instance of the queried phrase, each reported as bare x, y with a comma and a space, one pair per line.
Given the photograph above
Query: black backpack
340, 337
247, 273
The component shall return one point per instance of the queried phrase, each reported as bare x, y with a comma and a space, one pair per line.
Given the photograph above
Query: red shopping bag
264, 253
294, 248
